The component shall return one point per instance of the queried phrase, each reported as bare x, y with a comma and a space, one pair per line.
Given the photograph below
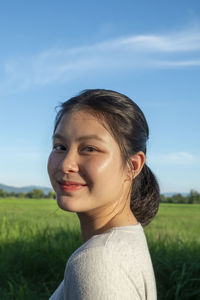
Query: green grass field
37, 238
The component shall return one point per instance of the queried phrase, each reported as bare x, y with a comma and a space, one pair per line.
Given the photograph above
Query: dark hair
129, 127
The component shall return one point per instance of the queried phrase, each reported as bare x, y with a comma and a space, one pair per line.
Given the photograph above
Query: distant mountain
24, 189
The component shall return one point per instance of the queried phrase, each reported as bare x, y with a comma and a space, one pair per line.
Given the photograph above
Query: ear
136, 164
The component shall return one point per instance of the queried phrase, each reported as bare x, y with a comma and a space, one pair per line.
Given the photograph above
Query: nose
69, 162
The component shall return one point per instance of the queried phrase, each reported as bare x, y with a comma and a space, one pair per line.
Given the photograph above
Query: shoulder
109, 263
95, 273
93, 259
118, 247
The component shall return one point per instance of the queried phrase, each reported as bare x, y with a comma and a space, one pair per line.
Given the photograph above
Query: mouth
70, 186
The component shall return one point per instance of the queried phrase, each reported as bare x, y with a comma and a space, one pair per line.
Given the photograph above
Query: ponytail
145, 196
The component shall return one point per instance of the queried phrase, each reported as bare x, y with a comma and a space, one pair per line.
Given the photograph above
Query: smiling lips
71, 185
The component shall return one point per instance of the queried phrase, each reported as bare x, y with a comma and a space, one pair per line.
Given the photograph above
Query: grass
180, 221
37, 238
174, 242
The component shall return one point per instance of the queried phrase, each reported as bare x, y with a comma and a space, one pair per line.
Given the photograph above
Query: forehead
82, 123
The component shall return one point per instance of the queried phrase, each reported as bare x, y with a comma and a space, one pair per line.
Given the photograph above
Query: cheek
51, 164
102, 169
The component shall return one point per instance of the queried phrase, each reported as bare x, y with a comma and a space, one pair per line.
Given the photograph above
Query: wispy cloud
172, 50
178, 63
176, 158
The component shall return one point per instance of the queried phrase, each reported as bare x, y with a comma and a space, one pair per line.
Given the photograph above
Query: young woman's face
84, 152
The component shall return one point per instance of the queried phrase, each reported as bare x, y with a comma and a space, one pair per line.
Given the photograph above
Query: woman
97, 168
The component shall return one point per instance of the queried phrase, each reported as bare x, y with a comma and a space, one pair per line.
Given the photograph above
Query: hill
24, 189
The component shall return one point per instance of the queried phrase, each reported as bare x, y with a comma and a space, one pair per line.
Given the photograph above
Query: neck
97, 223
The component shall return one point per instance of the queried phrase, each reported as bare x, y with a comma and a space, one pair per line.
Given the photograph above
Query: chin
65, 205
68, 204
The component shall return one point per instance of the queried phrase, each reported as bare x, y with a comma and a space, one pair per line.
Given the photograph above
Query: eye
89, 149
59, 148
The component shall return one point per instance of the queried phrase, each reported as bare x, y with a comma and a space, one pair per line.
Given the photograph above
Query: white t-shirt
114, 265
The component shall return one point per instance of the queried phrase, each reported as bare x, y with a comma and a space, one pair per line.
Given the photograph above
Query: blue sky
149, 50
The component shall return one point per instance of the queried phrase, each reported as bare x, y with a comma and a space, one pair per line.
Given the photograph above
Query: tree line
192, 197
34, 194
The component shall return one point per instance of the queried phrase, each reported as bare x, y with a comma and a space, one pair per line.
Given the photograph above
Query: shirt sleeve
97, 273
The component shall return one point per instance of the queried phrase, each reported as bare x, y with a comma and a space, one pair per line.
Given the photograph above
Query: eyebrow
81, 138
